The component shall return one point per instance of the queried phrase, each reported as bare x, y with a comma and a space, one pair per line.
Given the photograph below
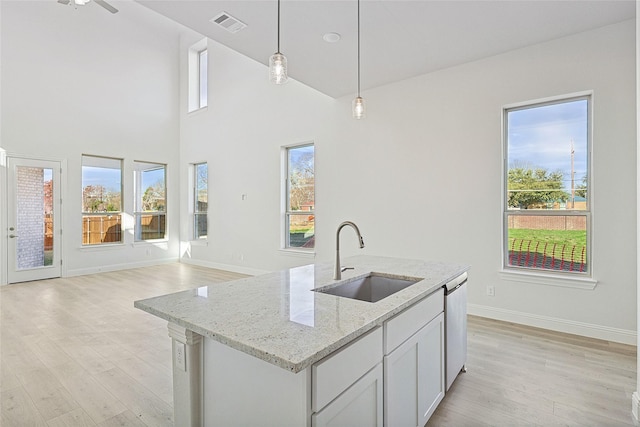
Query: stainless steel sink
371, 288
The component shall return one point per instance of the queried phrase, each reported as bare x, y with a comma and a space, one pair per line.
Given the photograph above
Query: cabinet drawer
334, 374
361, 405
401, 327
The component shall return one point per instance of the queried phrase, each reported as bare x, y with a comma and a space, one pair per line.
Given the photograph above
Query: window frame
197, 76
576, 279
286, 213
137, 203
106, 214
195, 211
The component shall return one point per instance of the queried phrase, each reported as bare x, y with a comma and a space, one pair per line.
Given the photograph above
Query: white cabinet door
360, 405
414, 377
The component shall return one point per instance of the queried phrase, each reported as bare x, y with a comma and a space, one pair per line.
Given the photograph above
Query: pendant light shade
278, 62
358, 102
358, 108
278, 68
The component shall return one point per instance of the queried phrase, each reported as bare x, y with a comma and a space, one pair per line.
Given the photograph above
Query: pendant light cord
279, 26
358, 48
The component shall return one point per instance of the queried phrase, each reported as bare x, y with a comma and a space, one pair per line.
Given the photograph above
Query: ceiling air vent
228, 22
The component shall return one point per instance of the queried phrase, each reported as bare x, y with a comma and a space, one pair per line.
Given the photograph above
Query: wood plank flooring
74, 352
522, 376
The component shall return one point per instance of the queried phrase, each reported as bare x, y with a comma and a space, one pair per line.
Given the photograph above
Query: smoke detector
228, 22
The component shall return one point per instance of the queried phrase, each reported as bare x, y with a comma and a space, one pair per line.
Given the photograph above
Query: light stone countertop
277, 318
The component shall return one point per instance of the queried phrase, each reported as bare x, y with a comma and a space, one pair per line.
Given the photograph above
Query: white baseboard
227, 267
590, 330
118, 267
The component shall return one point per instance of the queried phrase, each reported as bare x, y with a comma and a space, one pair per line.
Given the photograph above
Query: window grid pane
547, 187
201, 200
202, 77
150, 214
300, 213
101, 200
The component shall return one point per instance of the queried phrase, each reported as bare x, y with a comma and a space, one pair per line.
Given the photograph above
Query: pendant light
278, 62
358, 102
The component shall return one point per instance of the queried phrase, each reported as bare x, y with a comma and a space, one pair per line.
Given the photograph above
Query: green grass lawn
561, 237
565, 241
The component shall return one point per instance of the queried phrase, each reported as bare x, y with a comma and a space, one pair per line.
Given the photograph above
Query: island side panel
186, 347
241, 390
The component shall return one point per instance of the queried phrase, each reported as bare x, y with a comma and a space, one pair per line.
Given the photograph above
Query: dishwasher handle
454, 284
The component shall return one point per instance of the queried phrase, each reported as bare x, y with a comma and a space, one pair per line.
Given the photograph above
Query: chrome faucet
337, 273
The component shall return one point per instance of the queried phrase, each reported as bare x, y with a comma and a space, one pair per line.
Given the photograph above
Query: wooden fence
98, 229
48, 232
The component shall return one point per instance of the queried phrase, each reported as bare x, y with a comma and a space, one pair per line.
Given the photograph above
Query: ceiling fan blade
106, 6
63, 1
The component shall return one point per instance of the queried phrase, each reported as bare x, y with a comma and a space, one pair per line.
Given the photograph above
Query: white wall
422, 174
84, 81
239, 135
440, 134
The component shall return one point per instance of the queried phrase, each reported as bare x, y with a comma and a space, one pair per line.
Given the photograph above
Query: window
547, 182
101, 200
151, 201
198, 60
200, 200
299, 223
202, 78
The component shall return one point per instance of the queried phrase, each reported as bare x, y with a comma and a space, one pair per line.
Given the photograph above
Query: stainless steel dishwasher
455, 326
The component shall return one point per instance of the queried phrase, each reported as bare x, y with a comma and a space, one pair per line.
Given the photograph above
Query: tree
534, 187
301, 179
153, 198
97, 198
581, 189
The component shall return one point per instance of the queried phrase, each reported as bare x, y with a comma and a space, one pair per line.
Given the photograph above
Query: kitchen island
268, 350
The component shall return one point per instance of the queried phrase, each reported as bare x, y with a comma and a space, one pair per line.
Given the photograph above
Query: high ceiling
399, 39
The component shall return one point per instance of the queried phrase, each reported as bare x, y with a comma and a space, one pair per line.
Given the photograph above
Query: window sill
298, 253
150, 242
103, 246
197, 111
586, 283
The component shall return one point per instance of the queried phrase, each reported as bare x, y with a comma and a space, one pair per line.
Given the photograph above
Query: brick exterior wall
542, 222
30, 224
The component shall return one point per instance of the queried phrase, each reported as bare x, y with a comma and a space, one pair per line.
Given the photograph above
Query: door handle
13, 236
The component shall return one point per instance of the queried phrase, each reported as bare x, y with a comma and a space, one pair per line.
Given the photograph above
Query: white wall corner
118, 267
227, 267
590, 330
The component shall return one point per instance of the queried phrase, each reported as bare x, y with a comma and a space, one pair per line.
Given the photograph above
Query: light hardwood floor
74, 352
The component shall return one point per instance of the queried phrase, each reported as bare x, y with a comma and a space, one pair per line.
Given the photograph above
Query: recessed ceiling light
331, 37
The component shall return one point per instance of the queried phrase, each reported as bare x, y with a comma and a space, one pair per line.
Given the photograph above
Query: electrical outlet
491, 291
179, 356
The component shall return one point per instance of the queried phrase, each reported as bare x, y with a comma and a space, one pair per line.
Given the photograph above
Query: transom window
198, 65
547, 181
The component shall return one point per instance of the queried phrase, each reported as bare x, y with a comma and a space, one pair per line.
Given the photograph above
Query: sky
107, 177
110, 178
541, 137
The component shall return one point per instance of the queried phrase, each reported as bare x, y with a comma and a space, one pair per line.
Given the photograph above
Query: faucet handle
343, 269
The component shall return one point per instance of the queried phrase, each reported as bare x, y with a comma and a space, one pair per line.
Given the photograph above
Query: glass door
33, 216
